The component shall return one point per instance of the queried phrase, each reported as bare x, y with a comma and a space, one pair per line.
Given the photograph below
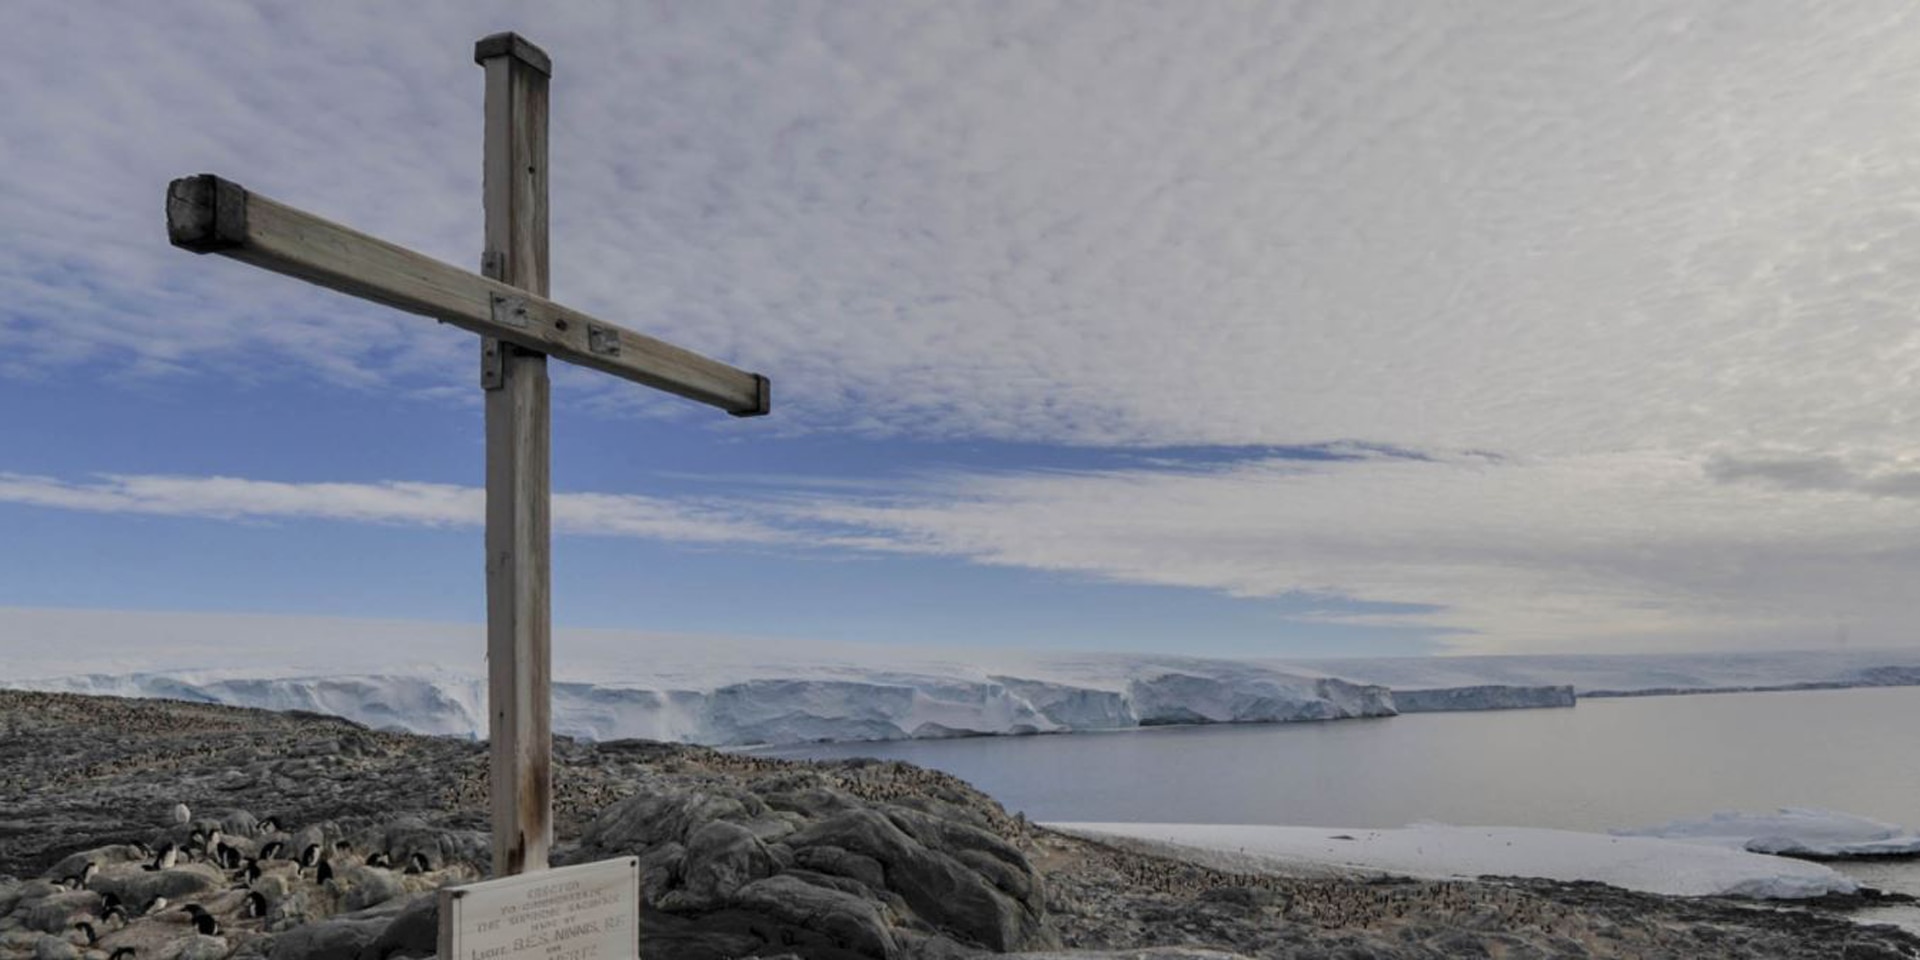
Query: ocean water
1604, 764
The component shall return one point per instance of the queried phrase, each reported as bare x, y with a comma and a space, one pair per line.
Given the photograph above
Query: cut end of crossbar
206, 214
763, 399
515, 46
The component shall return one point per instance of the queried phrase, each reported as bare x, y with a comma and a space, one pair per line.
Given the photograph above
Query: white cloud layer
1658, 260
1610, 552
1615, 552
1582, 226
405, 504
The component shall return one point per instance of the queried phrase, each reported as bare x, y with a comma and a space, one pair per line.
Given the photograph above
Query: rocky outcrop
739, 856
803, 861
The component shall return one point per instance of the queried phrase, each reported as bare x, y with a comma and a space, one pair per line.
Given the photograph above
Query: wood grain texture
519, 497
295, 243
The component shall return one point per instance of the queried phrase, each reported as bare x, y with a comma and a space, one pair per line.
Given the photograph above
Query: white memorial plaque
585, 912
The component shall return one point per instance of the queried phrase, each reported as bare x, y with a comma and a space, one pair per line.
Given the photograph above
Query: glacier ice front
789, 710
430, 678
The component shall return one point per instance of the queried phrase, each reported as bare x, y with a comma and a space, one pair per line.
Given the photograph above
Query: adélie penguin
165, 859
256, 904
203, 922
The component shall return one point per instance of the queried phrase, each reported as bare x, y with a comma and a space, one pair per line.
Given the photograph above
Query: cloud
1655, 262
1571, 231
1609, 552
397, 503
1614, 552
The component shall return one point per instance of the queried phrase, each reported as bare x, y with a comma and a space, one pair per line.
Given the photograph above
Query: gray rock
847, 920
414, 932
661, 871
1149, 953
238, 823
639, 822
198, 947
54, 948
827, 858
409, 835
54, 914
938, 887
368, 886
720, 858
135, 888
342, 938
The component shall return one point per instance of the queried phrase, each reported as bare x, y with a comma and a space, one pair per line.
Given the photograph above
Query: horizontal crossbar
206, 214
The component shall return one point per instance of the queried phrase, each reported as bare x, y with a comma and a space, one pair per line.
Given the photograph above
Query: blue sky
293, 431
1290, 329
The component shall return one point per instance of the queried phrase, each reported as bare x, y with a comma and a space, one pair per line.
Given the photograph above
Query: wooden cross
506, 303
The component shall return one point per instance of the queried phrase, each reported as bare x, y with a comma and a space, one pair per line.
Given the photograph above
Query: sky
1239, 329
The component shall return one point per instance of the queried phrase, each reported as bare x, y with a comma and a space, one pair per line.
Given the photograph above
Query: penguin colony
101, 926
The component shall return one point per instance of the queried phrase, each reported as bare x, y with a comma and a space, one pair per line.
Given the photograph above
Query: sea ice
1439, 852
1791, 831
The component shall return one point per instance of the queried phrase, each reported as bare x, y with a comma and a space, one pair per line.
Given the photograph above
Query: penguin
256, 904
124, 952
211, 843
417, 863
165, 859
381, 859
310, 856
269, 825
203, 922
154, 906
272, 850
93, 936
250, 872
109, 902
342, 846
323, 872
181, 815
228, 856
78, 881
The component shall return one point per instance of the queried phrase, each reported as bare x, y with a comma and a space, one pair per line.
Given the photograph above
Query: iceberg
1434, 851
1792, 832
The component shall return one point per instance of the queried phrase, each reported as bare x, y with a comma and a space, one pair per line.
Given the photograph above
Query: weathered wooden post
519, 574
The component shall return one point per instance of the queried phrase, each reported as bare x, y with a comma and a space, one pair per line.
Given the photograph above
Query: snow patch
1442, 852
1790, 831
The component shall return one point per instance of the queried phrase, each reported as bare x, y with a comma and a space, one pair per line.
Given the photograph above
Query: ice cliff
732, 691
1484, 696
782, 710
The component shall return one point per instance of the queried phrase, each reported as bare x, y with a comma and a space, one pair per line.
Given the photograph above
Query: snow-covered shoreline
1791, 832
1433, 851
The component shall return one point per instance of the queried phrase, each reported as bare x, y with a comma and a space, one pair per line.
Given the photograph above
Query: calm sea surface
1603, 764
